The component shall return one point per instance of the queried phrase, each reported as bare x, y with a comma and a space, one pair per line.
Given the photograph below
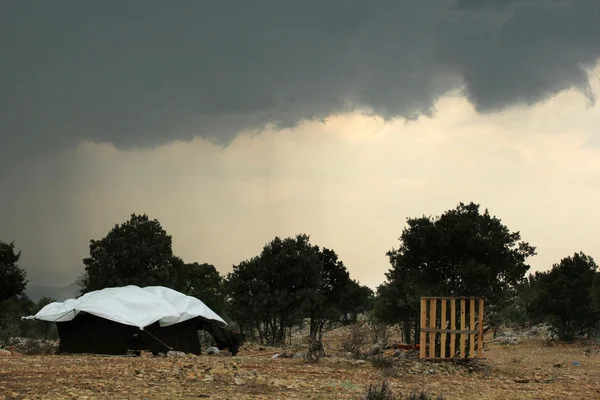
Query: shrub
376, 392
382, 362
386, 365
379, 332
32, 346
315, 351
384, 392
354, 340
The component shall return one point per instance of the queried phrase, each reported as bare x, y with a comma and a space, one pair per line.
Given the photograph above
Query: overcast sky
232, 122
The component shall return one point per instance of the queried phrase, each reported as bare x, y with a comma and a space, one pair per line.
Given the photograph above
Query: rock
349, 355
509, 338
390, 353
212, 350
238, 381
172, 353
285, 354
376, 349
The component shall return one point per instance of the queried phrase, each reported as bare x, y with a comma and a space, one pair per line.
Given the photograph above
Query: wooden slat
443, 326
440, 330
453, 327
463, 337
474, 332
472, 328
423, 340
450, 298
480, 336
432, 325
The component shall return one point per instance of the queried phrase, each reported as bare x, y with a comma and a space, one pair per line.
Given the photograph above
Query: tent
119, 319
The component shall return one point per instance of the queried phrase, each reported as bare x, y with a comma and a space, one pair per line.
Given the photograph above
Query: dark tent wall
88, 333
224, 337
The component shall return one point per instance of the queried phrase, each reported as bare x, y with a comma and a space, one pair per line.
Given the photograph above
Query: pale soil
525, 371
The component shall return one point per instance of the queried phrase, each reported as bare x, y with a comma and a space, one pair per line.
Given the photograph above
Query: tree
276, 287
327, 297
397, 301
247, 300
137, 252
204, 282
290, 280
11, 324
566, 295
356, 299
13, 280
461, 253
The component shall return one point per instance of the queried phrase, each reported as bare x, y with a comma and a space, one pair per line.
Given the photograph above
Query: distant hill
36, 292
51, 278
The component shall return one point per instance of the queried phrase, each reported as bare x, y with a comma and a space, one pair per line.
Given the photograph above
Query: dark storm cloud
142, 73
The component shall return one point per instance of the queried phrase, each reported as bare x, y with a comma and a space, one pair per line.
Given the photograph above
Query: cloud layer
349, 182
144, 73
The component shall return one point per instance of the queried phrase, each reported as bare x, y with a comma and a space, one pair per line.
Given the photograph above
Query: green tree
13, 280
277, 285
327, 297
566, 295
356, 299
290, 280
461, 253
204, 282
137, 252
11, 324
246, 297
397, 301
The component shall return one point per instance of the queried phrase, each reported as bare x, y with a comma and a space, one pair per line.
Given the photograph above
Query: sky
235, 122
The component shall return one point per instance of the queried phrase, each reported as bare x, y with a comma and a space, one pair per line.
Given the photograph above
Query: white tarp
131, 305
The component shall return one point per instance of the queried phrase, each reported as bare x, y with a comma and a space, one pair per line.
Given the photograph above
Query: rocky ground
530, 369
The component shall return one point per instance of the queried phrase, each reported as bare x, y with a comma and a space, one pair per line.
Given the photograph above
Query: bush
379, 333
422, 395
315, 351
383, 392
386, 365
11, 324
382, 362
32, 346
355, 340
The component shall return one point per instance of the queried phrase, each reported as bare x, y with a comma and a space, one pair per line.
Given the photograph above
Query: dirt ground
528, 370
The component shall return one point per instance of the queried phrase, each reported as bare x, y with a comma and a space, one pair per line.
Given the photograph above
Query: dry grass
525, 371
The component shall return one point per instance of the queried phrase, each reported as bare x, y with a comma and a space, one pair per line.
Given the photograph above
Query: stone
390, 353
375, 349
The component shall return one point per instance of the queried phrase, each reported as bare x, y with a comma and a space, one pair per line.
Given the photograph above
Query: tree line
292, 282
